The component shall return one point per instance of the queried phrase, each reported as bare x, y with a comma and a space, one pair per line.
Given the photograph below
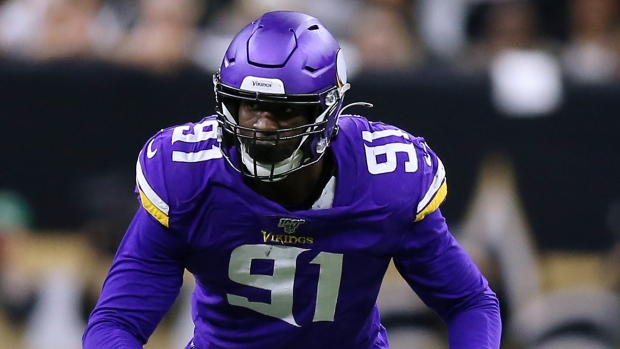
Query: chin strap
363, 104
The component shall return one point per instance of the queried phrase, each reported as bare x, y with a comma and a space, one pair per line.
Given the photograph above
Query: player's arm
141, 286
440, 271
147, 272
447, 280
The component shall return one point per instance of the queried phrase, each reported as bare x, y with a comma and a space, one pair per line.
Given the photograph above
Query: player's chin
265, 152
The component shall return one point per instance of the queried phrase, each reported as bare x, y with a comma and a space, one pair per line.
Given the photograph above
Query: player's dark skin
300, 187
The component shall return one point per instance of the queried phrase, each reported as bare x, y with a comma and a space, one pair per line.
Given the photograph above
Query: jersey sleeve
151, 183
433, 187
402, 167
436, 266
175, 167
447, 280
147, 272
143, 282
439, 270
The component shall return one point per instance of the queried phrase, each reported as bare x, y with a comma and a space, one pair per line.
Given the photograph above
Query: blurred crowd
580, 37
530, 44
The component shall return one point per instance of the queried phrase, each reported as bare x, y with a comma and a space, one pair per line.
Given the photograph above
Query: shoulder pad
167, 176
402, 167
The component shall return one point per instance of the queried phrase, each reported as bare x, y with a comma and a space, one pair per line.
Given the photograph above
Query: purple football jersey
270, 277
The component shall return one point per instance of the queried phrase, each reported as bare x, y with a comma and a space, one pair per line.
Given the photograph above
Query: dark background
67, 122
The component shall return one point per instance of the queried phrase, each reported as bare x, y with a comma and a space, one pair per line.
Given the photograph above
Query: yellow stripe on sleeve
153, 210
434, 203
150, 200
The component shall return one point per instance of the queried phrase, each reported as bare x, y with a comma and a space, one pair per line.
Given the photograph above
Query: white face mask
265, 170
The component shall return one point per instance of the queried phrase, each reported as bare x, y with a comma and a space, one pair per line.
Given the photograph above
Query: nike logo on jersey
149, 150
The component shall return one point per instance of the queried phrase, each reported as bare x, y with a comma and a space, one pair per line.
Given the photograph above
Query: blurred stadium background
521, 99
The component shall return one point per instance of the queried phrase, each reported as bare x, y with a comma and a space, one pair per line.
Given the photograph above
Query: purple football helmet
282, 57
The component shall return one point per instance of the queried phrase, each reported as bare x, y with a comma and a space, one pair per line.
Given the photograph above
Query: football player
288, 213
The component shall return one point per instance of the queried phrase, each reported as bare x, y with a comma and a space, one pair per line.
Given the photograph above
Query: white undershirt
326, 200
